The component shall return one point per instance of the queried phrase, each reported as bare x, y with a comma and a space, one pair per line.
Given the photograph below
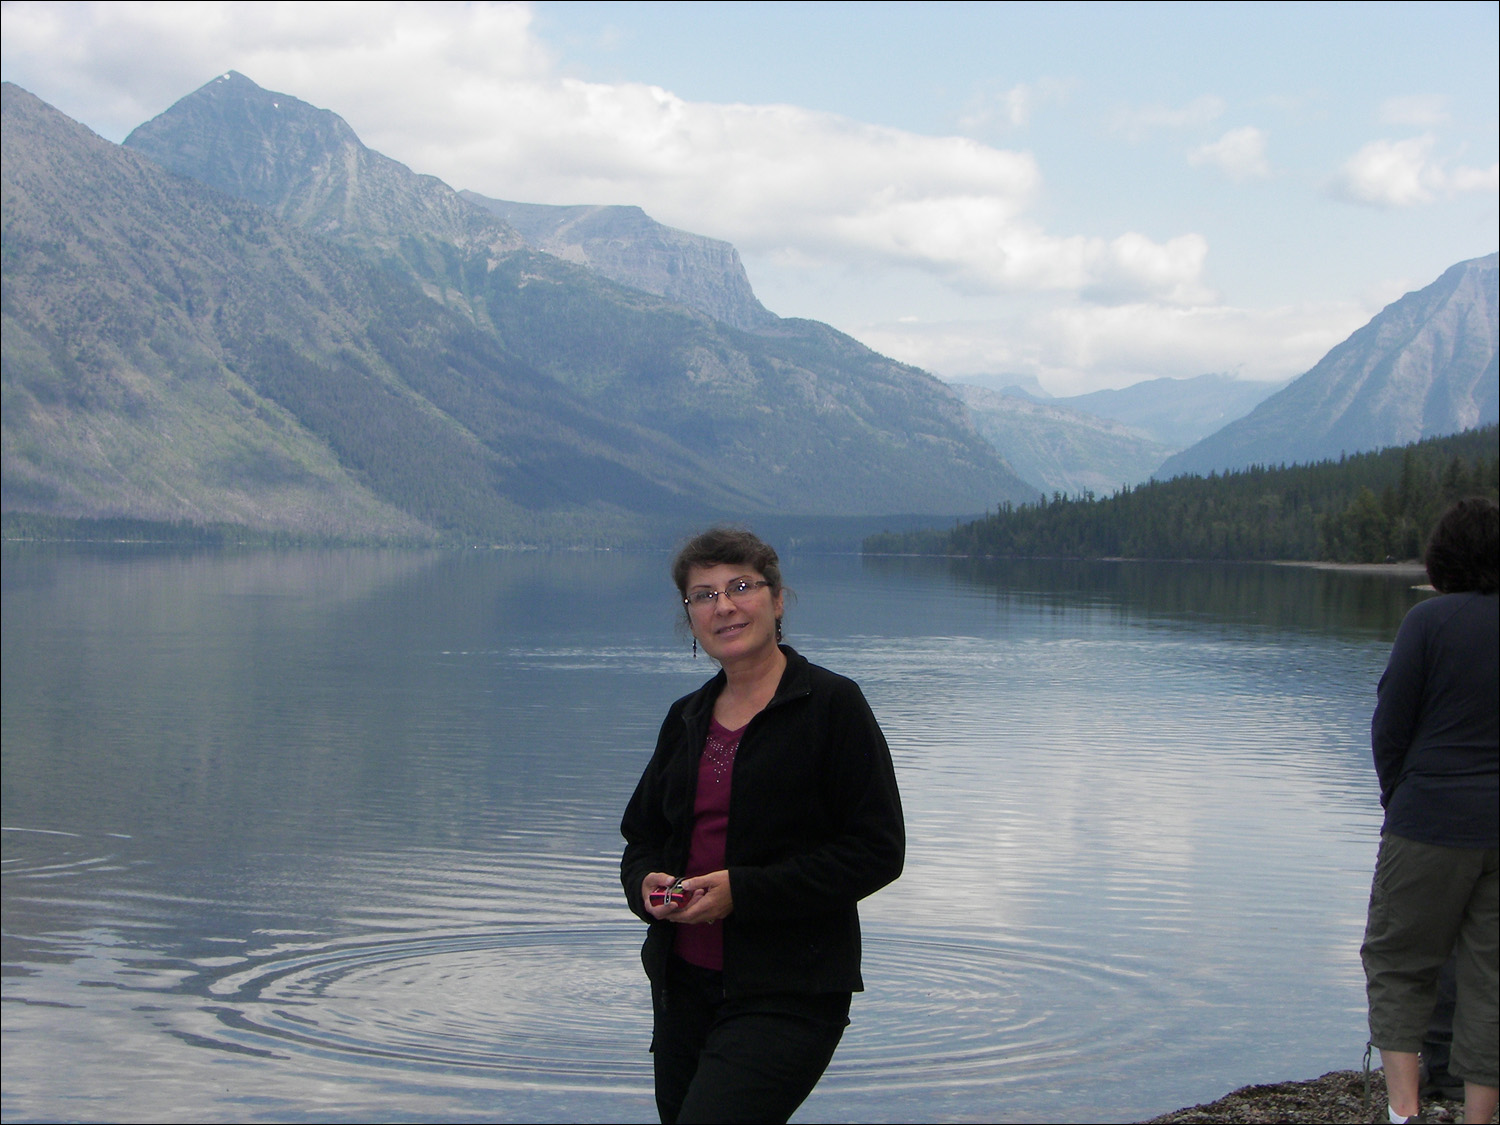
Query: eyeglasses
702, 599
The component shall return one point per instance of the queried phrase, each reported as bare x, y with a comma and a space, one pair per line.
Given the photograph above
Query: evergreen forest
1369, 507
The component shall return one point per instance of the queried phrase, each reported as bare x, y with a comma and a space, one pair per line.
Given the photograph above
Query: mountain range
1424, 366
1173, 413
245, 315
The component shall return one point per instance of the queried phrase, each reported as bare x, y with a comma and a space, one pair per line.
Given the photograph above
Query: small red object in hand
669, 894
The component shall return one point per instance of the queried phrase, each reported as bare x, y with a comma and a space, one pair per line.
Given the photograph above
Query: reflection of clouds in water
1114, 783
393, 833
636, 660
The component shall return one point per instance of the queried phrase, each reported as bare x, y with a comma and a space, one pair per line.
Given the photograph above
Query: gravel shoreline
1336, 1097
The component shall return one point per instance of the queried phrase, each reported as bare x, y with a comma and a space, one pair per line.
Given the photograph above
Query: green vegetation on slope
1364, 508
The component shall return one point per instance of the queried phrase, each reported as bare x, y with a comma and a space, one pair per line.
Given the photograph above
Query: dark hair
1464, 551
732, 545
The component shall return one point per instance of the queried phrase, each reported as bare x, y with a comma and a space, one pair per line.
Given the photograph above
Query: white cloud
1240, 154
977, 248
129, 61
1388, 174
466, 92
1136, 122
1074, 347
1154, 340
1019, 102
1403, 173
1422, 110
1012, 108
1475, 179
1133, 268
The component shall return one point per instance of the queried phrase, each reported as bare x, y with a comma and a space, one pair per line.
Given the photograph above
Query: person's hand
711, 899
655, 881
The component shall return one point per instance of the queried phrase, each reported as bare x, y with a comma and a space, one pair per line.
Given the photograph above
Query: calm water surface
334, 835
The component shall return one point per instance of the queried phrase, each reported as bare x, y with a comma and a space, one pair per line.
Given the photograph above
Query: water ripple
963, 1010
566, 1007
544, 1004
49, 853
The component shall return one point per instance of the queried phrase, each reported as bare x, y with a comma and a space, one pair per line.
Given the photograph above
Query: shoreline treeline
1369, 507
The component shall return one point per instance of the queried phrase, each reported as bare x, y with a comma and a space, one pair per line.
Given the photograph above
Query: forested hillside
1365, 508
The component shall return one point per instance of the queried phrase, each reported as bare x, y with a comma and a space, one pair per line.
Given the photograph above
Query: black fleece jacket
814, 825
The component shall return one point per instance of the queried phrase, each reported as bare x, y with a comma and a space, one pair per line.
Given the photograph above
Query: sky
1088, 195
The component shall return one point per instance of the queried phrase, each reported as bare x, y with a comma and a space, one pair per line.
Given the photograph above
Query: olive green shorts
1428, 902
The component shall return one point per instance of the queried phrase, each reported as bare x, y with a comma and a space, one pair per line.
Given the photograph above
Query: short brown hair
733, 545
1464, 551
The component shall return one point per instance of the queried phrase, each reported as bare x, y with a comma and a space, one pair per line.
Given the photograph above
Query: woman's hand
711, 899
655, 881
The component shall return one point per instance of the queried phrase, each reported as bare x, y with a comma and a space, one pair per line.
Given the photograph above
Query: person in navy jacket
1435, 737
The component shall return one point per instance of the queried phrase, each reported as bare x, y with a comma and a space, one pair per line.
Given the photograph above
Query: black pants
754, 1059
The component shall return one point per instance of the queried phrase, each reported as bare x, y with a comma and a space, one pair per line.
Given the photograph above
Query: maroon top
703, 945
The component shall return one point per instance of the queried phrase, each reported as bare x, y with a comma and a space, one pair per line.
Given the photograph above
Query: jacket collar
796, 681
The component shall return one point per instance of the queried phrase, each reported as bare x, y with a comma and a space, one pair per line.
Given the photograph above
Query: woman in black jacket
769, 808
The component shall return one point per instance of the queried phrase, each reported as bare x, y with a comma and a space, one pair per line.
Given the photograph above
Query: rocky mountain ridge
1422, 367
306, 165
438, 384
629, 247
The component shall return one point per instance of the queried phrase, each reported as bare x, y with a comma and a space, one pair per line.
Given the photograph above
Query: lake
333, 835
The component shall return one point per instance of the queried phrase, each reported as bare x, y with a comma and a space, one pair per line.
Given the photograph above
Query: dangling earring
695, 646
778, 630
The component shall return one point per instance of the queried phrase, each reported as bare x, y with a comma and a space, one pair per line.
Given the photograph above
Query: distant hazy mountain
389, 361
1176, 412
1062, 450
626, 245
1173, 413
1023, 386
1423, 367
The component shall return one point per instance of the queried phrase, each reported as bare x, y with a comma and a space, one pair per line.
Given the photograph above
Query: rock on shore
1336, 1097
